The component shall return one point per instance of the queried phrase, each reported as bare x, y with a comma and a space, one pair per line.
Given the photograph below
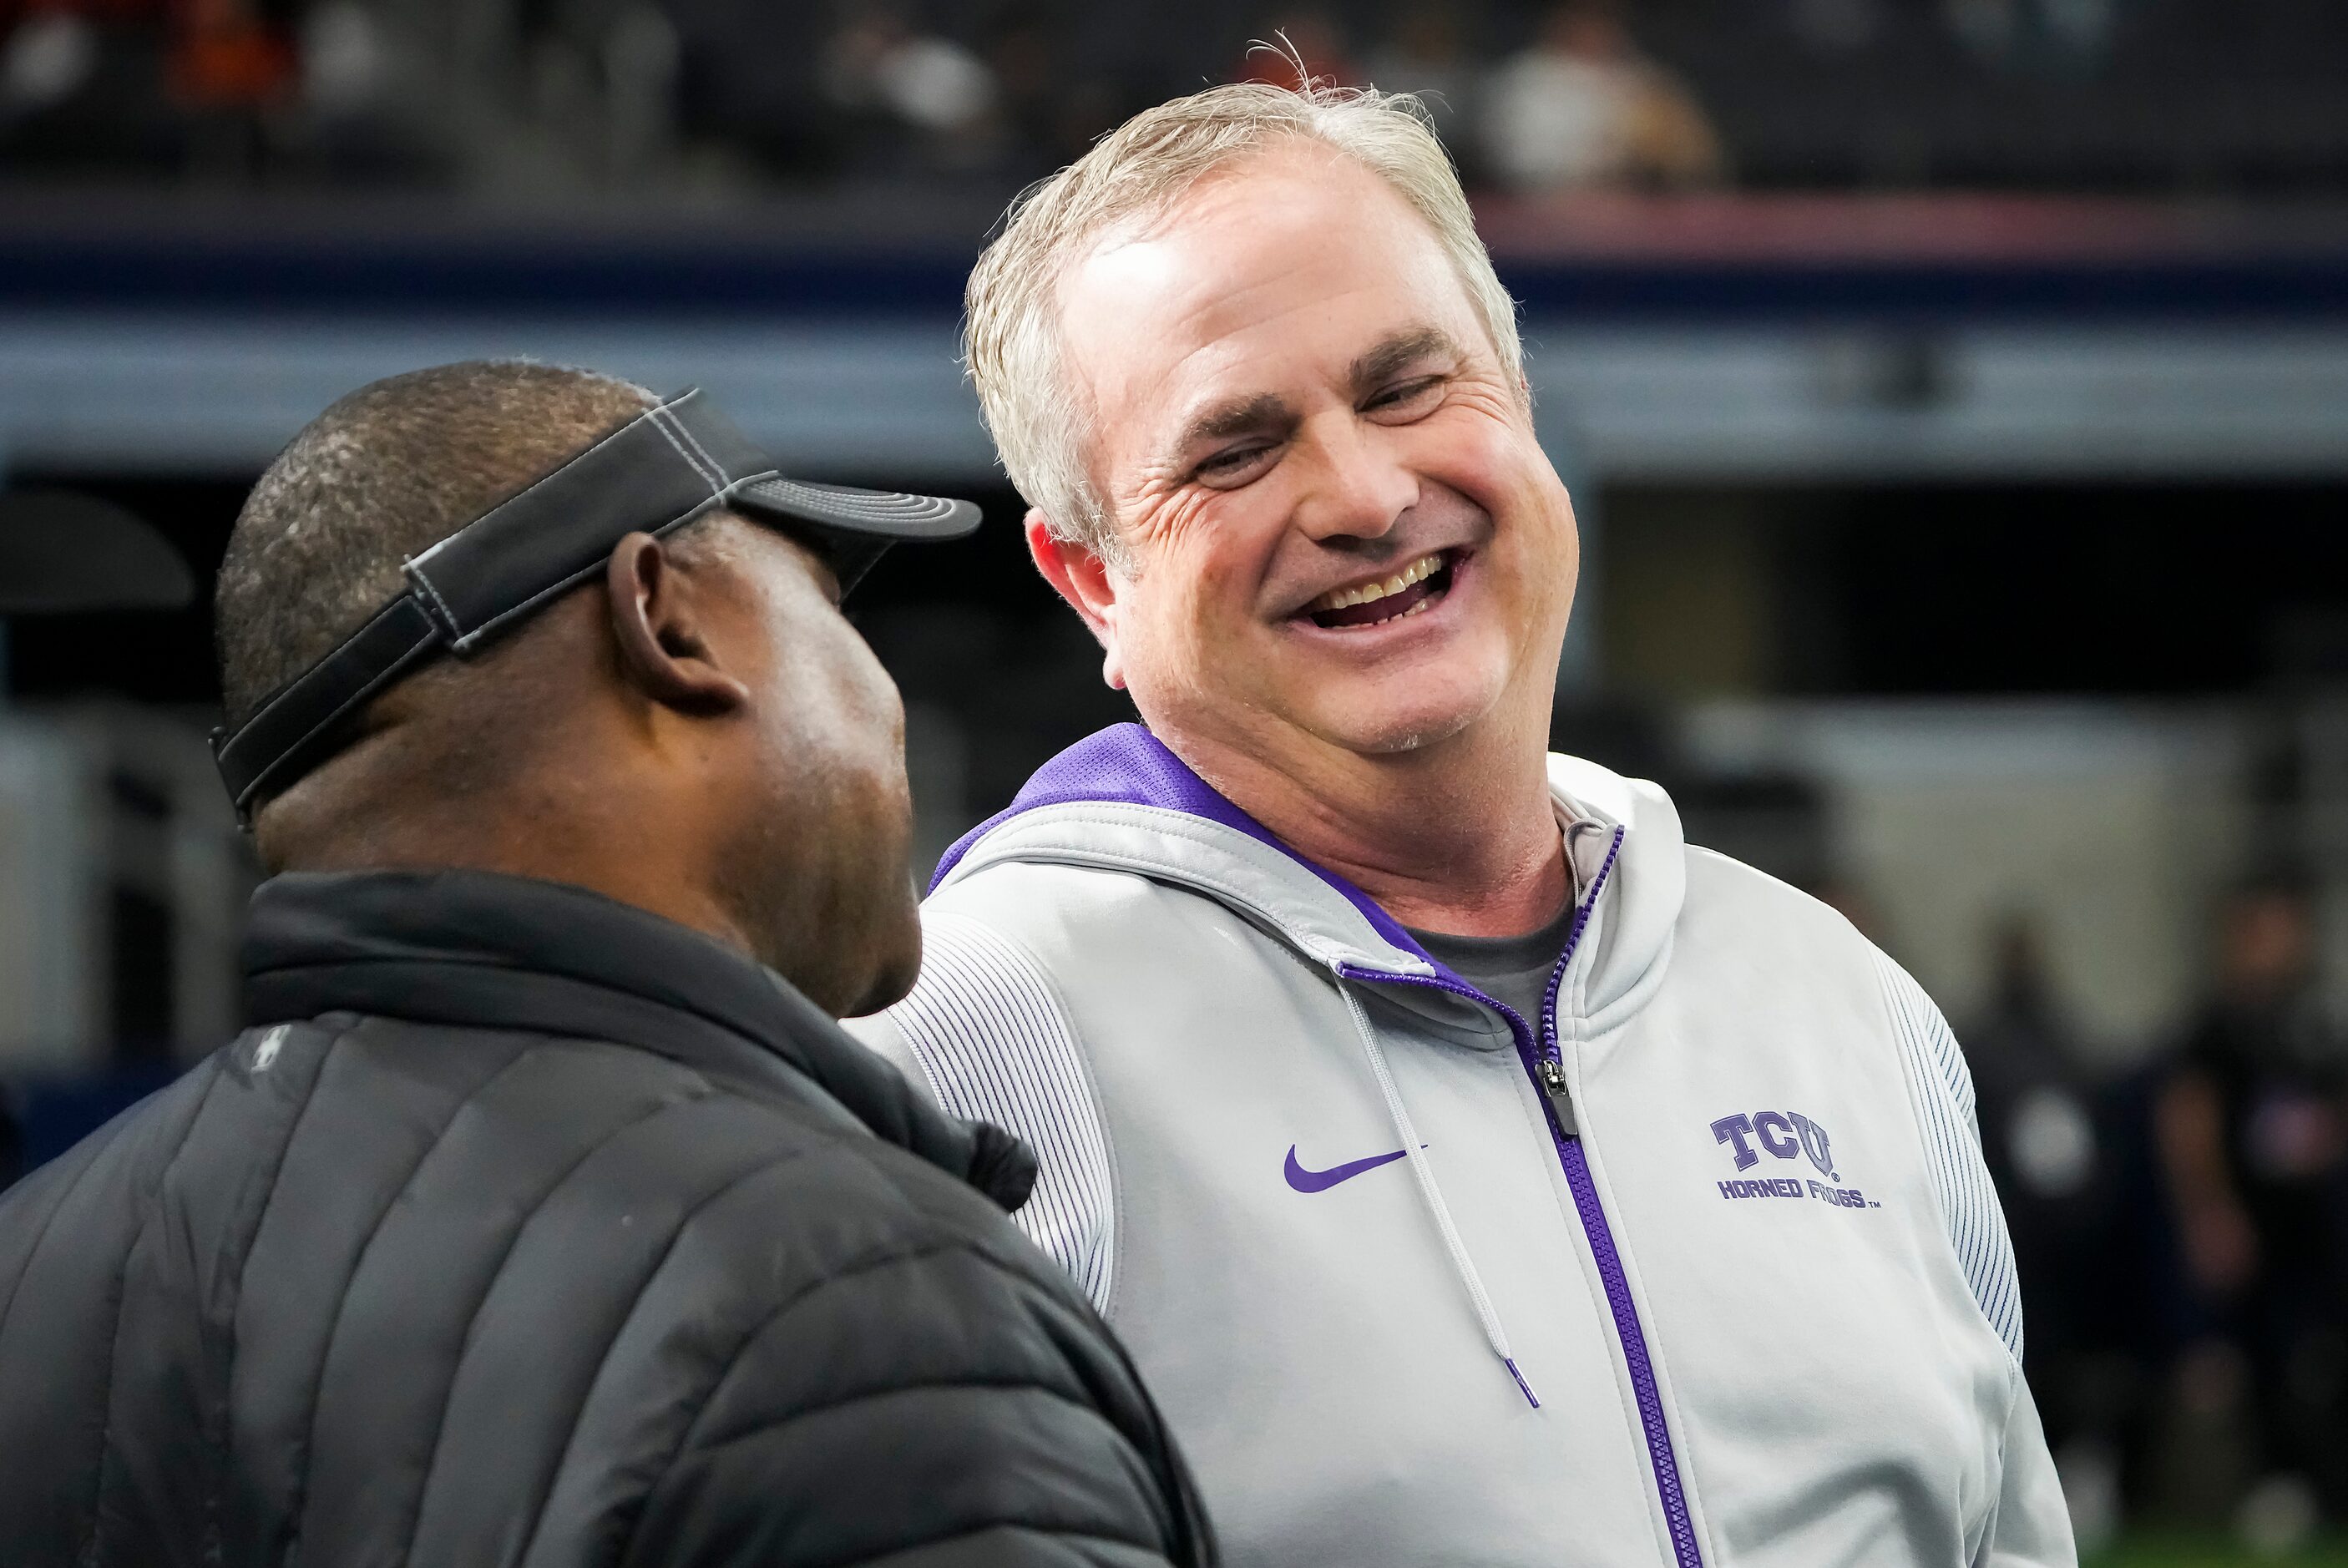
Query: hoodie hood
1120, 800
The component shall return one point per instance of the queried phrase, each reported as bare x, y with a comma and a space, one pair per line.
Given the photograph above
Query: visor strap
301, 721
661, 470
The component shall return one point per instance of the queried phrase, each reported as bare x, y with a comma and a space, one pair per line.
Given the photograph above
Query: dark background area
1913, 591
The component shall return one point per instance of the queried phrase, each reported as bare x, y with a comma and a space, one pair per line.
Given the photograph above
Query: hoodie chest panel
1838, 1391
1302, 1327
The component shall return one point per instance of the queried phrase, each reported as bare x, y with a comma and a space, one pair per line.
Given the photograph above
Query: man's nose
1356, 485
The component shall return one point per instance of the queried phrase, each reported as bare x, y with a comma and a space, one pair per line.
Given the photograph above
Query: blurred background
1954, 393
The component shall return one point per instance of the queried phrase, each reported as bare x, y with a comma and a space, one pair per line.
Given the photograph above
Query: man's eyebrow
1237, 417
1398, 353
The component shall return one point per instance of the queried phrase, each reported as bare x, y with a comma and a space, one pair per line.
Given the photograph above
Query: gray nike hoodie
1700, 1268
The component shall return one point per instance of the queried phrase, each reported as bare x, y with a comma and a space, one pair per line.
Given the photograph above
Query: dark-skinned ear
659, 624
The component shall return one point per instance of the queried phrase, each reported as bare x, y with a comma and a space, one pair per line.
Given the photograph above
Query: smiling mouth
1407, 592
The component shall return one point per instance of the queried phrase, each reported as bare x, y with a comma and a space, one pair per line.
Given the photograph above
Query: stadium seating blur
2198, 96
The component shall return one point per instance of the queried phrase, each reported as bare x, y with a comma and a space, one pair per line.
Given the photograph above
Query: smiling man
1480, 1174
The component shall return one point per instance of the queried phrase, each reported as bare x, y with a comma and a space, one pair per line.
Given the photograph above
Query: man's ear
660, 623
1081, 577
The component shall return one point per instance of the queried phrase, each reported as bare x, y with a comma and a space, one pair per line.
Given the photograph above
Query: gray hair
1012, 342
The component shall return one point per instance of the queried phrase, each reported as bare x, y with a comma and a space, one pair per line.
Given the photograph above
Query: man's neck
1459, 837
572, 834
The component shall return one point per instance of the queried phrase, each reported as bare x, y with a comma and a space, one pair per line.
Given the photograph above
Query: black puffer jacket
525, 1227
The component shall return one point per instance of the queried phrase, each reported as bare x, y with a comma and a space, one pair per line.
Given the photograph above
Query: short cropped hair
380, 476
1011, 341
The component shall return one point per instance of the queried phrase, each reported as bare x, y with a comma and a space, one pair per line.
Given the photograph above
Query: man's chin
896, 964
1399, 732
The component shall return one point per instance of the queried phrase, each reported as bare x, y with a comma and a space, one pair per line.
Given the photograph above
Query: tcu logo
1784, 1134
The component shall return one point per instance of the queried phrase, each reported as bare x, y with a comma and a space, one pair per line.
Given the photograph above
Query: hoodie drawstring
1461, 1263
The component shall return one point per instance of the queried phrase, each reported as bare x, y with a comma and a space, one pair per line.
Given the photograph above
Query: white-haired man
1479, 1175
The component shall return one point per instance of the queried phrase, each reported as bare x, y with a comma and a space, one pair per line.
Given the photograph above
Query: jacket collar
1122, 797
477, 950
1122, 800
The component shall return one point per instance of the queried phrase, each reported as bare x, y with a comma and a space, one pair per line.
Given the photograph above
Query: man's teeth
1339, 598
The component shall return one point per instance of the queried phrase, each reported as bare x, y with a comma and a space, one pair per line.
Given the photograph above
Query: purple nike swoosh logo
1305, 1181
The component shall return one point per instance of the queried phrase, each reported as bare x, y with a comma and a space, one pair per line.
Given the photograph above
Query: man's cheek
1219, 575
1207, 599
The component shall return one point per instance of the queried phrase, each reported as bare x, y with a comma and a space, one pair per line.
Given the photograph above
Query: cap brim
884, 517
854, 526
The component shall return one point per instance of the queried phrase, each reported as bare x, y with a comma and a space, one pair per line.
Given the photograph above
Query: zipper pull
1552, 1074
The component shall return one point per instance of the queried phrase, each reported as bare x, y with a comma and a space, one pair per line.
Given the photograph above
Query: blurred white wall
99, 803
48, 986
2110, 827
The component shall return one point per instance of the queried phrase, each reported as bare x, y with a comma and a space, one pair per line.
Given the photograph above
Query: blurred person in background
1580, 106
2044, 1141
1480, 1173
220, 90
1427, 55
2252, 1129
232, 65
544, 1211
367, 110
912, 85
85, 87
233, 70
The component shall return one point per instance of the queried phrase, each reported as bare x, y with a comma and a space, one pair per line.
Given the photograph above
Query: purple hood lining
1127, 765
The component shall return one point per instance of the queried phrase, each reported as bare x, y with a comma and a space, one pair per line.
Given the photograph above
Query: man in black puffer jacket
544, 1215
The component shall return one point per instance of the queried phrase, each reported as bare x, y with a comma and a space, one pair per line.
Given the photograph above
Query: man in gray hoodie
1479, 1174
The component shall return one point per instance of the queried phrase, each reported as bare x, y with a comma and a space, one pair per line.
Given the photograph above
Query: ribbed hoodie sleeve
1941, 1087
986, 1030
2031, 1527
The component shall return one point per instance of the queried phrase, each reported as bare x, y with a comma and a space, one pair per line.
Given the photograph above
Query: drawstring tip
1510, 1363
